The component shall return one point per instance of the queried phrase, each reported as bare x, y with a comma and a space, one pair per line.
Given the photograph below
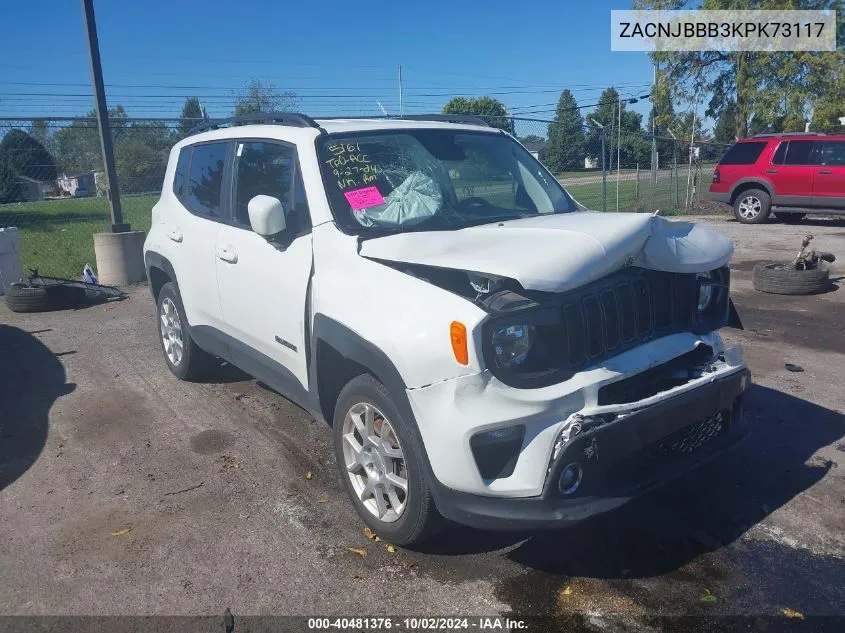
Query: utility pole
654, 165
112, 188
401, 110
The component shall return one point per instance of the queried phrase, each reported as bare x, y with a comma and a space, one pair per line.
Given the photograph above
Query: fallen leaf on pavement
391, 548
369, 534
708, 598
122, 531
308, 475
567, 591
323, 501
793, 614
357, 550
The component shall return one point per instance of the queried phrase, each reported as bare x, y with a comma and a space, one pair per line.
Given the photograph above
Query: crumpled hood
555, 253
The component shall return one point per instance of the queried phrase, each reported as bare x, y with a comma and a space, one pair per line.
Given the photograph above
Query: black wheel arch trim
757, 182
354, 347
153, 259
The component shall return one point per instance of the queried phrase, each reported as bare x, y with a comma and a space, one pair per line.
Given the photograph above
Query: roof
304, 133
535, 146
793, 136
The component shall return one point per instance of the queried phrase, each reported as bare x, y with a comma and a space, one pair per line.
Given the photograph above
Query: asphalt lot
125, 491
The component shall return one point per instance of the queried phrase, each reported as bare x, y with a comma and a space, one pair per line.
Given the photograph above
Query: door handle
825, 171
176, 236
228, 255
771, 171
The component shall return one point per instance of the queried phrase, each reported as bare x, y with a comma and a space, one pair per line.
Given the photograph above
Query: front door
263, 283
829, 179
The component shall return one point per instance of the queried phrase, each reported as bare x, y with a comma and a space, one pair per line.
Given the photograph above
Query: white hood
555, 253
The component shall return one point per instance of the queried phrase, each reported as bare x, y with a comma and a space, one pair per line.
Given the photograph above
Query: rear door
263, 284
791, 173
829, 177
193, 232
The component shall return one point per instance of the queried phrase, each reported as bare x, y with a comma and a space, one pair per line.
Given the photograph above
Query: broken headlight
512, 344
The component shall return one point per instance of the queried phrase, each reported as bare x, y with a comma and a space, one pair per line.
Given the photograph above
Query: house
33, 190
538, 149
590, 163
79, 185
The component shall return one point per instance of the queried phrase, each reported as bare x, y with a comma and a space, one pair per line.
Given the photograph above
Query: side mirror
266, 215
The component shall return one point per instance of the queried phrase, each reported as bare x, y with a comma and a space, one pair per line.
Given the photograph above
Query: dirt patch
211, 442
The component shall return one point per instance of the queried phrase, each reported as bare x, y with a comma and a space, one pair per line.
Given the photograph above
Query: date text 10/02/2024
417, 623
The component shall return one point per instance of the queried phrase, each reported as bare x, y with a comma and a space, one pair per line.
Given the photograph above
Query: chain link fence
52, 185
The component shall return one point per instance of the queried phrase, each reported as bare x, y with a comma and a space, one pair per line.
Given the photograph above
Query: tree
27, 157
830, 107
192, 115
763, 86
566, 136
661, 119
77, 146
492, 110
724, 132
10, 190
633, 147
264, 97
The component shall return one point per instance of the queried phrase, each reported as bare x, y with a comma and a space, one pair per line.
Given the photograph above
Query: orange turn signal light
458, 335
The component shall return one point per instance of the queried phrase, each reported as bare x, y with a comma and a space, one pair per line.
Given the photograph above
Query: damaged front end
639, 427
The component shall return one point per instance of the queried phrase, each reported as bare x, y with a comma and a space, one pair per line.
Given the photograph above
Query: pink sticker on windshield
363, 198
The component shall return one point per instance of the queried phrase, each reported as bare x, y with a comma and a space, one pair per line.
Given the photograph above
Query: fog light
570, 479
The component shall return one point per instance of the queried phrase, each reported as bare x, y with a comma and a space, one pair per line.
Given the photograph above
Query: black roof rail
292, 119
467, 119
770, 134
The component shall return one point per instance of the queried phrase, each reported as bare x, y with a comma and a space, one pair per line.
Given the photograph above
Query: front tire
184, 358
380, 460
752, 206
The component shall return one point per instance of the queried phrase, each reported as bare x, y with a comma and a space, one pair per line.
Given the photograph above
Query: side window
780, 154
181, 172
270, 169
833, 153
799, 153
205, 179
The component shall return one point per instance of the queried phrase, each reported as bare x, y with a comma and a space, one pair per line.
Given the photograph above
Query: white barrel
10, 257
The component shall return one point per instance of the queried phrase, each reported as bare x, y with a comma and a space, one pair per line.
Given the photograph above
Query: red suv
790, 174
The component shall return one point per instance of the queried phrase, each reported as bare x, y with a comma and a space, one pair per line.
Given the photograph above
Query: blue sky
339, 57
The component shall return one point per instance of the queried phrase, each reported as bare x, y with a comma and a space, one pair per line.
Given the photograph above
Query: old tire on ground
184, 358
790, 218
782, 279
752, 206
378, 453
23, 298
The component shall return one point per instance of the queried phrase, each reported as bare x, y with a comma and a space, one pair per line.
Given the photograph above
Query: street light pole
112, 188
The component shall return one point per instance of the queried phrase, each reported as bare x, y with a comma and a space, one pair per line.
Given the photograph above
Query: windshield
433, 179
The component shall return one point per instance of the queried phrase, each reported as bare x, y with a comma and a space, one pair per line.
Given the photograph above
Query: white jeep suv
484, 349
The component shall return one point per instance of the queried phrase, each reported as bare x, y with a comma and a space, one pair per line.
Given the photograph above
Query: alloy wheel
375, 462
171, 331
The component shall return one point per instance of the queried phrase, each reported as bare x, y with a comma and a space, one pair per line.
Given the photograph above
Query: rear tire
790, 218
366, 467
184, 358
752, 206
23, 298
781, 279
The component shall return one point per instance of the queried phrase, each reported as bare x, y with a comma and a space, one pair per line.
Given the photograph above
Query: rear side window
205, 179
743, 153
780, 154
833, 153
799, 153
182, 172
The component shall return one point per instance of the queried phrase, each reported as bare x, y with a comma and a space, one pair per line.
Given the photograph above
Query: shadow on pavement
31, 379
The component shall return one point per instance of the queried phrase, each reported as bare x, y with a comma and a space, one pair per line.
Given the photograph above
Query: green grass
57, 235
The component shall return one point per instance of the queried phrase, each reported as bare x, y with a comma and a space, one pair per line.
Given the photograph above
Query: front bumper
620, 460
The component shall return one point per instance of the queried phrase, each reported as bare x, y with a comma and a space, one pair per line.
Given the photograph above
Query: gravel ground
125, 491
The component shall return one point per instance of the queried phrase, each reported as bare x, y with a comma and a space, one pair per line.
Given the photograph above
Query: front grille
691, 438
623, 311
